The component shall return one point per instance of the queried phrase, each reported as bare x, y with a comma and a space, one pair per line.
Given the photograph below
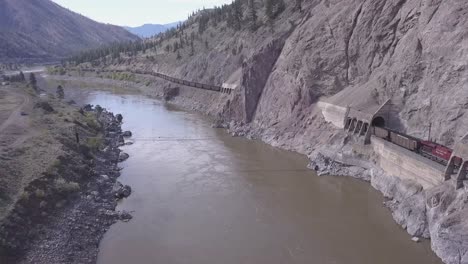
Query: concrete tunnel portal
378, 122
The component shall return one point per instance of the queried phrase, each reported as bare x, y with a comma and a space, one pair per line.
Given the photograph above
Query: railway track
209, 87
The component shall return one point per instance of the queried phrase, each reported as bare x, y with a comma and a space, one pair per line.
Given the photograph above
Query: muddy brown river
201, 196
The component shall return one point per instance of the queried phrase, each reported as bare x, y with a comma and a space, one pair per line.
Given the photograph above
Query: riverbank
436, 213
59, 212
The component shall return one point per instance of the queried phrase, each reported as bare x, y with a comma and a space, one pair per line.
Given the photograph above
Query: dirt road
14, 127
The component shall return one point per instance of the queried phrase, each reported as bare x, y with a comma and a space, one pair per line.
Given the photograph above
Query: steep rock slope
41, 30
363, 54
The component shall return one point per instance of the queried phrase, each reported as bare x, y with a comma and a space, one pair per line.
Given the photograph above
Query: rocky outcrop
123, 156
121, 191
255, 73
127, 134
447, 211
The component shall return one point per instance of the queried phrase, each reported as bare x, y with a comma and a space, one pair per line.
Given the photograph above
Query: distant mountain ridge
41, 30
149, 30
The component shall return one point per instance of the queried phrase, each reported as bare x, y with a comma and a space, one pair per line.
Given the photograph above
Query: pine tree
60, 92
299, 5
203, 22
269, 9
175, 46
236, 14
21, 76
33, 81
273, 8
192, 48
181, 41
252, 15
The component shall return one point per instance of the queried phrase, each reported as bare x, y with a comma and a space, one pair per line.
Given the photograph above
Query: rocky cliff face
362, 54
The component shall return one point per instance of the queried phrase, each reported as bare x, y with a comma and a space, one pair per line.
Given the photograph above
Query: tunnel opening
378, 122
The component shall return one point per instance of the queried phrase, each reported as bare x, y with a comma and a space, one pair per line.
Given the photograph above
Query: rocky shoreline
66, 225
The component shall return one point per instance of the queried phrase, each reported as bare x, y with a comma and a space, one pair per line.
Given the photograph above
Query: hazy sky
137, 12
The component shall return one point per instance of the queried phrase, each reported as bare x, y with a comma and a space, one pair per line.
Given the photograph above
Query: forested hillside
41, 31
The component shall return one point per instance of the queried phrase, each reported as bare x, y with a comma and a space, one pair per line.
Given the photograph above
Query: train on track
428, 149
210, 87
180, 81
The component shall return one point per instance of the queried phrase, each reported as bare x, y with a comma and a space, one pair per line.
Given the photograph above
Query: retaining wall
405, 164
333, 113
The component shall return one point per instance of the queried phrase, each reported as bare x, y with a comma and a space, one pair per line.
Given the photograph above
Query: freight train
180, 81
168, 78
428, 149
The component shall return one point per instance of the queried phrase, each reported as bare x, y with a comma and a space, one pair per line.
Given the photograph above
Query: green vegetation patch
94, 143
123, 76
57, 70
63, 186
92, 122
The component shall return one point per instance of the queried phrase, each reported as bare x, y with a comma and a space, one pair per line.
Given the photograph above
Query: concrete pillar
358, 127
346, 116
367, 137
450, 168
364, 128
461, 175
348, 123
353, 125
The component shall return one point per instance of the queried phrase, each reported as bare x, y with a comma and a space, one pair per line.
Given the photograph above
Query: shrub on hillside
45, 106
63, 186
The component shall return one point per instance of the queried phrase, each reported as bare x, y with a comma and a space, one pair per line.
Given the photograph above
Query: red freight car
435, 151
430, 150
